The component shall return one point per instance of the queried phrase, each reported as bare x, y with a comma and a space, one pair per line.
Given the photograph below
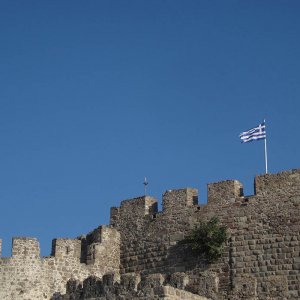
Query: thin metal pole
266, 156
145, 185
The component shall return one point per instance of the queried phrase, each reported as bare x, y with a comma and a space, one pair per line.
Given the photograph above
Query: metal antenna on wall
145, 183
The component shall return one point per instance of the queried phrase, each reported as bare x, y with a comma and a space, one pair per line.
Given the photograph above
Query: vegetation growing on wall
208, 239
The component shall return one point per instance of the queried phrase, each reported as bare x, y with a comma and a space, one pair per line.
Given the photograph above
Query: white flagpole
266, 155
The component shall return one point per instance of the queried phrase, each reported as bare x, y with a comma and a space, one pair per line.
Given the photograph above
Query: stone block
181, 198
130, 282
179, 280
25, 248
152, 280
224, 192
285, 183
66, 248
245, 286
276, 286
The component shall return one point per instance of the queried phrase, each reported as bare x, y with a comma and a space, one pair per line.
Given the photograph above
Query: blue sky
96, 95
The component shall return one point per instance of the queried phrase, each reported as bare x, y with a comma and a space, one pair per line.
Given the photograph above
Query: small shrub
208, 238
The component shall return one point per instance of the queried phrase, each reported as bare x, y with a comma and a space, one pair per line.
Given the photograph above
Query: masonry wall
26, 275
261, 258
130, 287
22, 276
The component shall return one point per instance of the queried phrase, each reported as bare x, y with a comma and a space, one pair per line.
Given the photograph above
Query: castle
140, 255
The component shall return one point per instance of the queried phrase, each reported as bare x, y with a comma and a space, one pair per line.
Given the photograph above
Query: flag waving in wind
254, 134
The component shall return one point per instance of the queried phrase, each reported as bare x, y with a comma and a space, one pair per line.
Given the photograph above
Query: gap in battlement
159, 202
6, 247
201, 185
202, 194
248, 183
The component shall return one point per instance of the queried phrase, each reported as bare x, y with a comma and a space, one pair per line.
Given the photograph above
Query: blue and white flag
254, 134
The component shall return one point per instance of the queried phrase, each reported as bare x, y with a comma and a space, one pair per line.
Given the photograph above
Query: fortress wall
137, 208
149, 242
224, 192
265, 262
114, 216
64, 248
260, 259
155, 246
264, 251
93, 237
180, 198
264, 244
25, 248
171, 293
261, 255
148, 250
22, 276
26, 275
105, 254
130, 287
284, 184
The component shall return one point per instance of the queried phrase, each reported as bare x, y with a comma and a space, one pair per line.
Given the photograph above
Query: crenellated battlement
224, 192
261, 258
97, 243
97, 253
25, 248
220, 194
180, 198
284, 183
65, 248
141, 206
133, 209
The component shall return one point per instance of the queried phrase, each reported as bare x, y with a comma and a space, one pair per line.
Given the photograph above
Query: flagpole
266, 155
254, 134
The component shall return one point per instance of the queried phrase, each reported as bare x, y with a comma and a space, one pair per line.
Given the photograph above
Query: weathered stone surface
147, 249
26, 275
149, 287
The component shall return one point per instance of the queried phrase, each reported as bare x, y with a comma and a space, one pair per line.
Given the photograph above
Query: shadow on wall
181, 258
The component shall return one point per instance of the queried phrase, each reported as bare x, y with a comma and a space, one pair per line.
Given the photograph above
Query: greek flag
254, 134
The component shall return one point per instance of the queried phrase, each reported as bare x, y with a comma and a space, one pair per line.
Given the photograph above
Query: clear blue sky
95, 95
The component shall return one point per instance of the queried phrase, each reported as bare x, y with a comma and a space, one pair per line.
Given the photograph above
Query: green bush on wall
208, 238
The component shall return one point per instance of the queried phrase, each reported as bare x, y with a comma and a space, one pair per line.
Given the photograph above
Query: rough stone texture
130, 287
264, 238
148, 250
26, 275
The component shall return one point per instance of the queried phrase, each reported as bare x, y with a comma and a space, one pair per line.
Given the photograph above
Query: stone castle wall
28, 276
260, 259
130, 287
